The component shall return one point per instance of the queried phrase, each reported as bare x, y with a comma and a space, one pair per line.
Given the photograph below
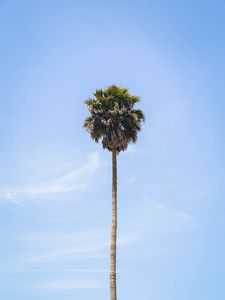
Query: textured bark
114, 228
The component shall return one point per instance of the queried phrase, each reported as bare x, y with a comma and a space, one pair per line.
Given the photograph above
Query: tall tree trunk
114, 228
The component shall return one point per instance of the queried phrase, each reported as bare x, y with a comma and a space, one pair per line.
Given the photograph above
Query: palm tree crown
113, 119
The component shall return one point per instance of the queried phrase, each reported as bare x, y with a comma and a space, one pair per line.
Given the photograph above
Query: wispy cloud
67, 285
155, 222
57, 284
158, 216
46, 251
57, 269
68, 181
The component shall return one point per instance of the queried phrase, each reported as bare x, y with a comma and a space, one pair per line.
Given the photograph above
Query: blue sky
55, 187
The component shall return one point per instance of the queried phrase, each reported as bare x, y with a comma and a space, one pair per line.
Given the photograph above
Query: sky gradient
55, 182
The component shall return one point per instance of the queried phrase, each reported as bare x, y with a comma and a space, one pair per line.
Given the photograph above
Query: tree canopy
112, 118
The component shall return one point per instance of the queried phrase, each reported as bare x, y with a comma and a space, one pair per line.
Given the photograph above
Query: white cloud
69, 181
48, 250
154, 221
57, 284
152, 213
67, 285
3, 270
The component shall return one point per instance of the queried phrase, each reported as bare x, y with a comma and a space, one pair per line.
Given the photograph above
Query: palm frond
113, 119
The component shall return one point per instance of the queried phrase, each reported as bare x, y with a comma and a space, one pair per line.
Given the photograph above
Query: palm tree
113, 121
